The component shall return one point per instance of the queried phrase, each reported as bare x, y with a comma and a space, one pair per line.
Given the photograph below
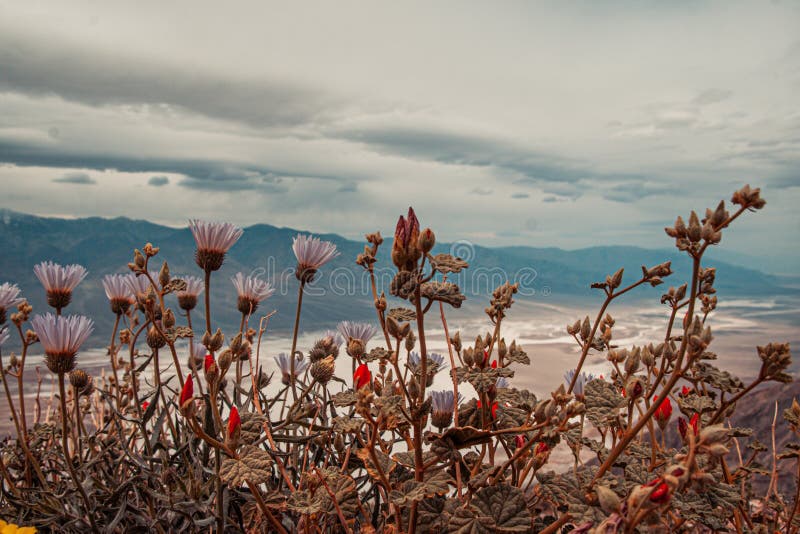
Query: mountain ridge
105, 246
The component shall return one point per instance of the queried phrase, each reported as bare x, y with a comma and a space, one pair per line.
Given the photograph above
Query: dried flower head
327, 345
187, 297
59, 281
141, 287
252, 291
214, 240
119, 293
442, 405
312, 253
61, 338
322, 370
285, 365
79, 379
9, 297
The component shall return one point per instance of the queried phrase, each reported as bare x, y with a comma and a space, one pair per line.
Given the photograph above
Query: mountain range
342, 291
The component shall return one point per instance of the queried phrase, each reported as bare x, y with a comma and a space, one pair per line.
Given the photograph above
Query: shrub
203, 446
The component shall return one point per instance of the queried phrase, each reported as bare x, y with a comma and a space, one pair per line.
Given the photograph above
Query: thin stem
67, 458
292, 378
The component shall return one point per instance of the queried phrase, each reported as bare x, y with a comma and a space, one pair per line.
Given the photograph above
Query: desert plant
211, 442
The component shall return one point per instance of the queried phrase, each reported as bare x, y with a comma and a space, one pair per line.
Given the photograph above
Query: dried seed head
154, 338
322, 370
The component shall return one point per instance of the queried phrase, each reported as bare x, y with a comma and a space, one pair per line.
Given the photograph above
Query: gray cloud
85, 75
348, 188
520, 195
633, 191
79, 178
158, 181
712, 96
482, 191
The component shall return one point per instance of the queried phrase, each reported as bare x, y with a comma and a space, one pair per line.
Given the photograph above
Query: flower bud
163, 275
168, 320
426, 240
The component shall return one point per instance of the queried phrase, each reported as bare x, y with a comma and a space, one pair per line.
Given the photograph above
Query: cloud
712, 96
158, 181
81, 74
520, 195
633, 191
80, 178
348, 188
482, 191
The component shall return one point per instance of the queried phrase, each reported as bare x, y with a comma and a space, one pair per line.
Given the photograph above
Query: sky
568, 124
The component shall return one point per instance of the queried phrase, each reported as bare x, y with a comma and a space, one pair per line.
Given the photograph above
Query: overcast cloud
552, 124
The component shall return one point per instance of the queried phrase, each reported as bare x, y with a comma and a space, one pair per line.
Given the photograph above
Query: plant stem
67, 458
294, 339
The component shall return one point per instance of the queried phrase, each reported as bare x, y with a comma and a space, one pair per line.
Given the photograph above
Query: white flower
59, 281
118, 292
285, 365
3, 335
187, 298
140, 285
251, 290
442, 405
581, 381
312, 253
9, 296
433, 358
61, 337
194, 286
360, 331
213, 240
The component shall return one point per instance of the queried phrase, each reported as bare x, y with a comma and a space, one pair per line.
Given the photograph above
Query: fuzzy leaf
602, 402
252, 466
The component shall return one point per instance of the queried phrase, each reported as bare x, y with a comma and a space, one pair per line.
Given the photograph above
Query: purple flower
61, 338
251, 291
59, 281
312, 253
214, 240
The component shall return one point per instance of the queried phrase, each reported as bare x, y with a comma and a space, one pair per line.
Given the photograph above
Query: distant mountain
105, 246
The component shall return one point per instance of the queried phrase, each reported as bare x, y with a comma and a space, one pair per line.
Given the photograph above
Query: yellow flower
11, 528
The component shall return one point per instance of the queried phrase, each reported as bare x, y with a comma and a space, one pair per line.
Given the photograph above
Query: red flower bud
685, 391
541, 448
494, 364
663, 412
519, 441
145, 404
187, 392
362, 376
694, 422
660, 494
234, 422
208, 362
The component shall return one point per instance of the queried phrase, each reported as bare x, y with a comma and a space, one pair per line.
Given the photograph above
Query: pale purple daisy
580, 383
59, 281
360, 331
442, 405
187, 298
141, 286
119, 293
214, 240
433, 358
251, 290
61, 338
285, 365
502, 382
9, 297
312, 253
